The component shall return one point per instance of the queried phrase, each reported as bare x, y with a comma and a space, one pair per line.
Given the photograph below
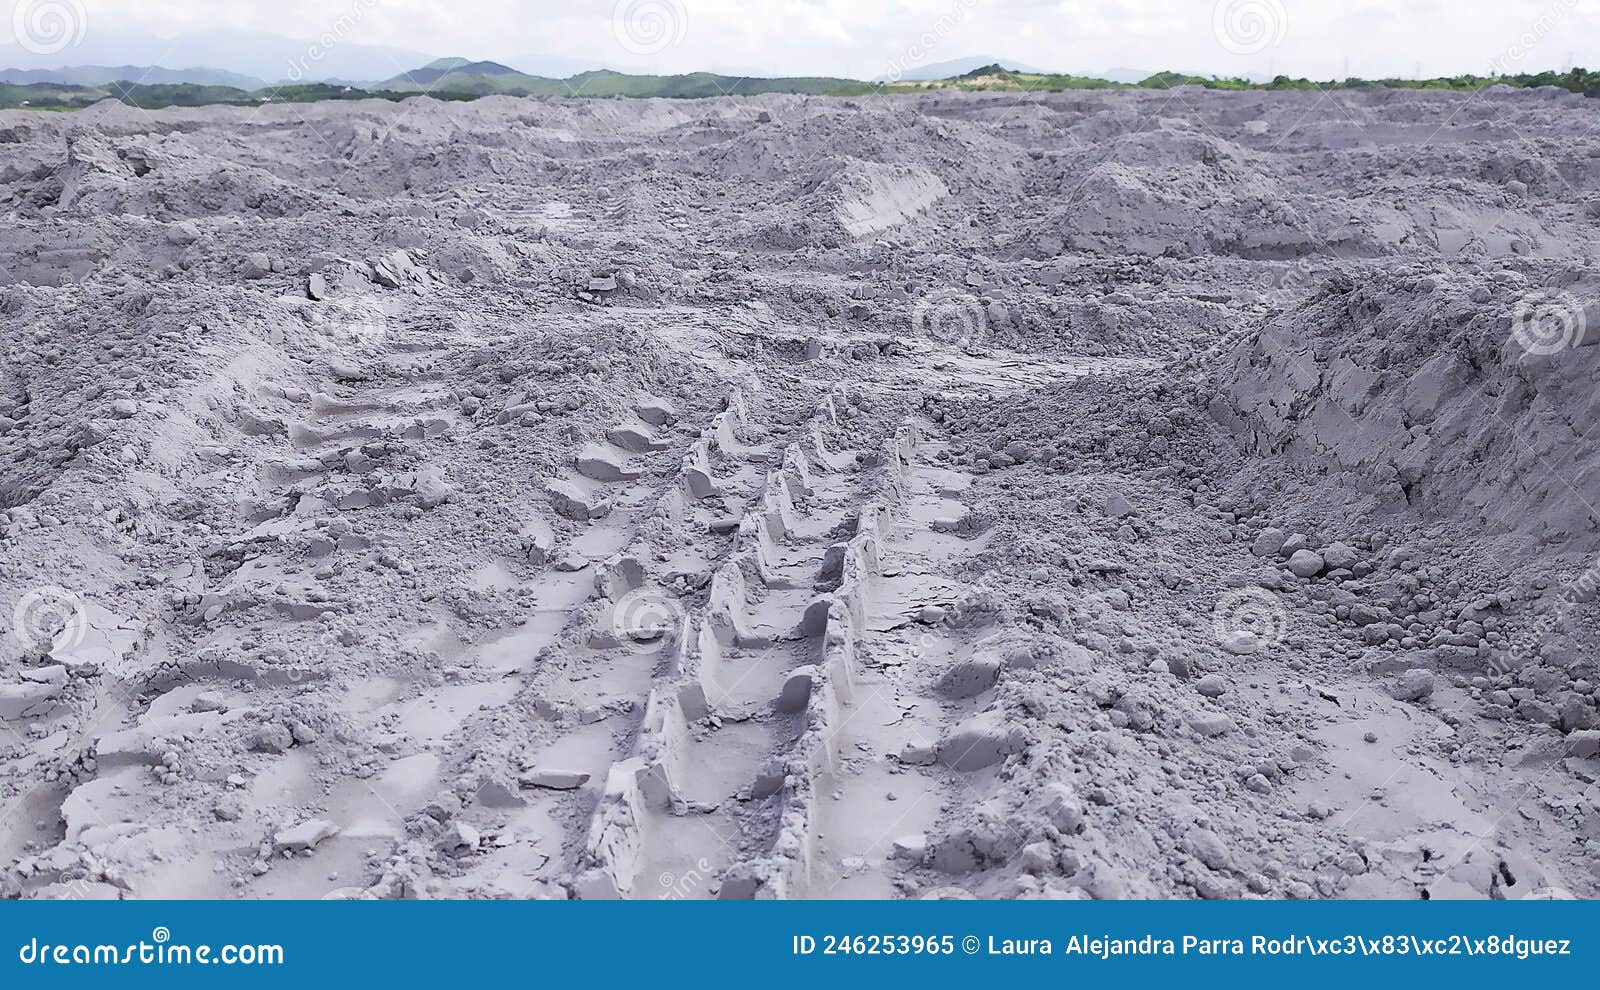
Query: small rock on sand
1339, 556
1413, 685
305, 835
554, 779
1268, 543
1206, 846
1211, 724
1305, 563
918, 753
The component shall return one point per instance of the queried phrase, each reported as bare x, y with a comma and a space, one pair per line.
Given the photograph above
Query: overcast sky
870, 38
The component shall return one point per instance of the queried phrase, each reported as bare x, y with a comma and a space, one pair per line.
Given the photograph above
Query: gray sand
1143, 494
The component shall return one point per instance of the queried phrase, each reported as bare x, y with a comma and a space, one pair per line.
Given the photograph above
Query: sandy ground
1141, 494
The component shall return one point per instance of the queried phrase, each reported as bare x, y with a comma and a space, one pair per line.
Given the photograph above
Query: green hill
994, 77
457, 75
486, 78
459, 79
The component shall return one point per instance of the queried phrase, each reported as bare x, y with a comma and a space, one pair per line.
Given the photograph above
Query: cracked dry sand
1147, 494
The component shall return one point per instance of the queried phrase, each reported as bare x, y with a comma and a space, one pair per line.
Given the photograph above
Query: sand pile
1463, 394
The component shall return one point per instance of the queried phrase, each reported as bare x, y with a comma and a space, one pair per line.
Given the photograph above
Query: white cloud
861, 38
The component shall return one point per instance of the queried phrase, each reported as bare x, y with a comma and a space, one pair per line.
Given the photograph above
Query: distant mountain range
255, 60
556, 77
250, 55
458, 75
100, 75
956, 67
461, 74
150, 85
